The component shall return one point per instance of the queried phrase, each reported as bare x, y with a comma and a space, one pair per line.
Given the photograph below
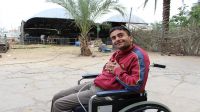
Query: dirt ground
31, 74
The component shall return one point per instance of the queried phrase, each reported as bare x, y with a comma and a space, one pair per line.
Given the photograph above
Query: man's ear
131, 38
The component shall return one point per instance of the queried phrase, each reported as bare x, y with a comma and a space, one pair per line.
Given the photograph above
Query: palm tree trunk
165, 25
166, 14
85, 50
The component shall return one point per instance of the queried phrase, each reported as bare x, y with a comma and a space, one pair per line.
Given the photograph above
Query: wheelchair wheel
146, 106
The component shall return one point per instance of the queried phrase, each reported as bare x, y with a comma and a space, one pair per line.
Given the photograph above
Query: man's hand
110, 66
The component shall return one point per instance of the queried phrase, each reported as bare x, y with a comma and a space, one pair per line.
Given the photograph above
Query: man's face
120, 39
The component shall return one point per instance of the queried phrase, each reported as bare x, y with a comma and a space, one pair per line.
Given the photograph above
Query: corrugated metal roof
54, 13
62, 13
119, 18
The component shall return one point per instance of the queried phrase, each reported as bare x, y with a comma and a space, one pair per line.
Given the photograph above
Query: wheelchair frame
142, 105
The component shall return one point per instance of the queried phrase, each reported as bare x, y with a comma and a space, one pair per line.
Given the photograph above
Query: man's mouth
119, 43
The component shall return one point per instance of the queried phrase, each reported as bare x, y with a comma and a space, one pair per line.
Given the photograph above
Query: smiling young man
127, 68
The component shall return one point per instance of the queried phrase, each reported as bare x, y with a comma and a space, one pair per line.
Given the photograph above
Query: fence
57, 41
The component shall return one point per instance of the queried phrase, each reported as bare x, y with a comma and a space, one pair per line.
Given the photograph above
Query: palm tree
166, 15
85, 12
165, 24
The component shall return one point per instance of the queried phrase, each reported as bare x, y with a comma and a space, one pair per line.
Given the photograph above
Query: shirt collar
127, 50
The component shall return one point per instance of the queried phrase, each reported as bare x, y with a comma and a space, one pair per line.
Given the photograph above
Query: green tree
195, 15
185, 17
180, 19
85, 12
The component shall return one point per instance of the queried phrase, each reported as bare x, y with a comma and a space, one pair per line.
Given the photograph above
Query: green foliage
195, 15
183, 33
185, 17
156, 26
147, 39
86, 11
181, 19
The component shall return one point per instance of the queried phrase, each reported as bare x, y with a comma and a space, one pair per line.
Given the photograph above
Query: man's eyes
120, 35
113, 38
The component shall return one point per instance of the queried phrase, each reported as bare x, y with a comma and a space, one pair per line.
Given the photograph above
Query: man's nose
117, 38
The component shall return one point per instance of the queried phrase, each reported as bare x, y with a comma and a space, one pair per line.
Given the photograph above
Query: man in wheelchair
125, 72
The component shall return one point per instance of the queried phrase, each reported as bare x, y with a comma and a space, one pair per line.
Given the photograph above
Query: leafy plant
195, 15
181, 19
85, 12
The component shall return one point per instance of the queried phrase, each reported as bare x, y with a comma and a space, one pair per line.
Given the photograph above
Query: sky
12, 12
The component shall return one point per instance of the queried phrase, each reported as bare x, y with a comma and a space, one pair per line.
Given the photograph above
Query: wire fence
57, 41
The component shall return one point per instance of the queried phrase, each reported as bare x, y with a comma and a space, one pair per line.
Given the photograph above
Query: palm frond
145, 3
105, 6
155, 4
85, 12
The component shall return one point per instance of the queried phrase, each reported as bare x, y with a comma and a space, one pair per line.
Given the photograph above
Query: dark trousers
66, 100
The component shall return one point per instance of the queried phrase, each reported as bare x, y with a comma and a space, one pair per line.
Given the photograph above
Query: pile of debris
4, 46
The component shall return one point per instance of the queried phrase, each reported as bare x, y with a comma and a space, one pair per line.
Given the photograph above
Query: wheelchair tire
146, 106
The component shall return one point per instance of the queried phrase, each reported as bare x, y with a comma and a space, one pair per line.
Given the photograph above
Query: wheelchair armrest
118, 93
88, 76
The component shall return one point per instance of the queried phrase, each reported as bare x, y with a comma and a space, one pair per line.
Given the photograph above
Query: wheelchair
121, 101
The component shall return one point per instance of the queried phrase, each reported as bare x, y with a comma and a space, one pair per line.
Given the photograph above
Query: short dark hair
120, 28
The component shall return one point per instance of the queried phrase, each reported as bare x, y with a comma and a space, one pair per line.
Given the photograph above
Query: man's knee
56, 96
61, 106
56, 105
